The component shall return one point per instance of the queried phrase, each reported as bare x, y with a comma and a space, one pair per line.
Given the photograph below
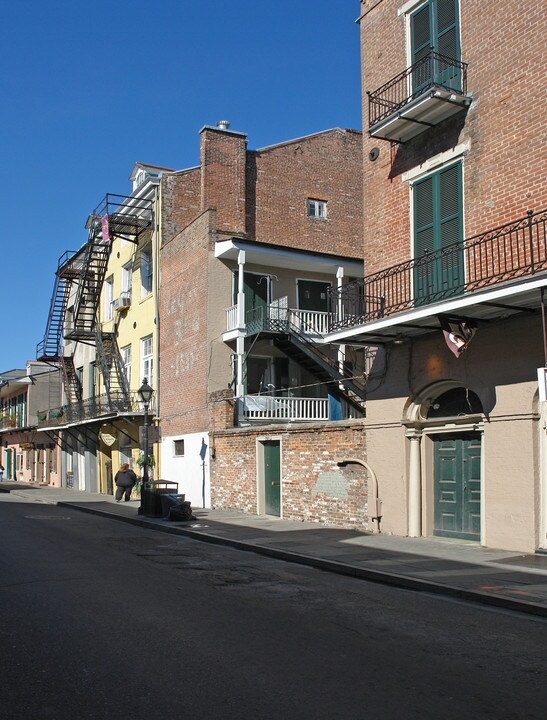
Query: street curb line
377, 576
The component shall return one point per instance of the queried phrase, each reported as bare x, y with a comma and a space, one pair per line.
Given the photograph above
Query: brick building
255, 408
456, 256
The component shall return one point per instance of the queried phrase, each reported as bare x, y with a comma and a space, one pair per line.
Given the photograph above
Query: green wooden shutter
421, 43
446, 43
424, 239
450, 227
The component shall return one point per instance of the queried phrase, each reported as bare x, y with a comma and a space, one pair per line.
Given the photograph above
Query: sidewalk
456, 568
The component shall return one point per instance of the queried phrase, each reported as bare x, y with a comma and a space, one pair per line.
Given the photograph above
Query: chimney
223, 155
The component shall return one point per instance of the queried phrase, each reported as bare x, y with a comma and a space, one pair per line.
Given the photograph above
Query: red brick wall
180, 201
184, 352
308, 464
222, 157
504, 169
326, 166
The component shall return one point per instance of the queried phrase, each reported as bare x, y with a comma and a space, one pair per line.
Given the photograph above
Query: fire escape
80, 277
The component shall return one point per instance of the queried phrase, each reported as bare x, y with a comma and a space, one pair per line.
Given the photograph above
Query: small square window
178, 448
317, 208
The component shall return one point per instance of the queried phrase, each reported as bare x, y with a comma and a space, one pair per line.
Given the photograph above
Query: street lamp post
145, 395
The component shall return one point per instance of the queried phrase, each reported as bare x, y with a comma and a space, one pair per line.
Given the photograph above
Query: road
100, 619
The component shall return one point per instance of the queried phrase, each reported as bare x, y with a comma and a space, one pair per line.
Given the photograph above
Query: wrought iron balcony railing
433, 70
92, 408
510, 252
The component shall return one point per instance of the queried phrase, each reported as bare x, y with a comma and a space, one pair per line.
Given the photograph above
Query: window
434, 26
146, 271
92, 385
146, 359
108, 297
178, 448
317, 208
438, 235
127, 278
126, 362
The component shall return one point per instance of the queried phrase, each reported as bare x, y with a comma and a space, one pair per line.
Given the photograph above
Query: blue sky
90, 88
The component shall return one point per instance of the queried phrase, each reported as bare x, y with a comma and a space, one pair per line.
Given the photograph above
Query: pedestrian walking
125, 478
1, 473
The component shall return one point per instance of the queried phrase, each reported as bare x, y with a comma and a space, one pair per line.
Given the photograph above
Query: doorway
457, 486
270, 490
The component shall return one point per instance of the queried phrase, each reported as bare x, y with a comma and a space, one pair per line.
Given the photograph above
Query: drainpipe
414, 487
240, 341
374, 502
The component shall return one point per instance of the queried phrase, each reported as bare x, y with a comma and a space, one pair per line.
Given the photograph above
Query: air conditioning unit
122, 302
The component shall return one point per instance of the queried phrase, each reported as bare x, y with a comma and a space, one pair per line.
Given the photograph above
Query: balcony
266, 408
495, 272
420, 97
93, 408
309, 322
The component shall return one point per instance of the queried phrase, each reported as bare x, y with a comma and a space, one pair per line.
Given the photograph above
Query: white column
339, 278
415, 488
240, 290
240, 341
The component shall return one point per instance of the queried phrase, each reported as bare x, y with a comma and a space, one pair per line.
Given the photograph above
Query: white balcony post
240, 350
339, 279
240, 289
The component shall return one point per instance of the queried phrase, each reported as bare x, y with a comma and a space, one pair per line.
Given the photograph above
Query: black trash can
152, 492
169, 501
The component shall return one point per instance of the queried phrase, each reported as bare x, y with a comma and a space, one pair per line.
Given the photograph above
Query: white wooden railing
265, 407
231, 318
309, 322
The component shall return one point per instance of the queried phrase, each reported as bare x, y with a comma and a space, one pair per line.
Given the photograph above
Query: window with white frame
178, 448
127, 278
316, 208
126, 361
108, 297
146, 358
146, 271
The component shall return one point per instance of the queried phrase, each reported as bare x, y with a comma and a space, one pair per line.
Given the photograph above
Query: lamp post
145, 395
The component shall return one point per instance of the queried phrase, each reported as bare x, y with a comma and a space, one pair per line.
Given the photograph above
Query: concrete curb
377, 576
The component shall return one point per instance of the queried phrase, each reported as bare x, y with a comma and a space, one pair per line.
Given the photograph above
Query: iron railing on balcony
91, 408
509, 252
432, 70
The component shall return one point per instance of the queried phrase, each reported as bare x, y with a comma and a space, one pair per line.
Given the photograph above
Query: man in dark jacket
124, 479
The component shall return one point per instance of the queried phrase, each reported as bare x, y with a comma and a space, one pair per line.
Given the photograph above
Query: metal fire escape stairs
276, 324
116, 216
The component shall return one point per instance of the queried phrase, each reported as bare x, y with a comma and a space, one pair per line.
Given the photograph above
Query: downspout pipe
374, 502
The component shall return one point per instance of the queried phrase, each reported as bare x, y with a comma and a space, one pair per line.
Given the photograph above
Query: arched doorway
449, 417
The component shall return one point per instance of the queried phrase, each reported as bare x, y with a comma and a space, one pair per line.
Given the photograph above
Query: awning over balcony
284, 257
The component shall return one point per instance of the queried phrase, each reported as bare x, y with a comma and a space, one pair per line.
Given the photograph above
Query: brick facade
503, 174
313, 487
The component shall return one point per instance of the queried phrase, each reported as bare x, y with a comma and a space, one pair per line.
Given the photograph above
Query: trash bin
152, 492
169, 501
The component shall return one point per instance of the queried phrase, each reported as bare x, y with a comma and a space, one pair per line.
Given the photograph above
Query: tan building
455, 268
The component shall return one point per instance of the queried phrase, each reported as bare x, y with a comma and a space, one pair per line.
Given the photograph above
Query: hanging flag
105, 228
457, 333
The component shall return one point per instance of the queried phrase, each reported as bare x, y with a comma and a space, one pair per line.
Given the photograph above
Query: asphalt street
102, 619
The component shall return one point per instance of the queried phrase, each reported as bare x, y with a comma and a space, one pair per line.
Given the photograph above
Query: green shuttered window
434, 26
438, 235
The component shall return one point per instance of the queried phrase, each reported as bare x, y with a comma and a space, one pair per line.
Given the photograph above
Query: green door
272, 477
313, 295
457, 492
438, 236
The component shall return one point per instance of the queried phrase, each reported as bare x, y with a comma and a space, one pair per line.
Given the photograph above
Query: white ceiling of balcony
283, 257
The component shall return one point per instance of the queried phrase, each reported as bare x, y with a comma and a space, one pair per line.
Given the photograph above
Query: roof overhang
287, 258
